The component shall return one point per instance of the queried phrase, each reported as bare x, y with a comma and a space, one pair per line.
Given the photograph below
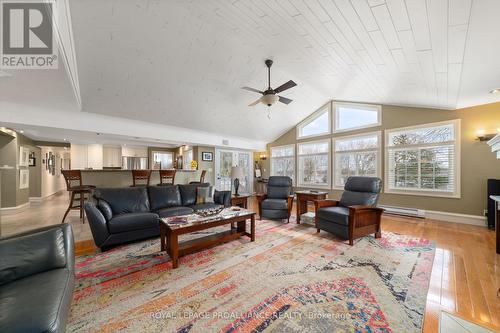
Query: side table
241, 200
303, 197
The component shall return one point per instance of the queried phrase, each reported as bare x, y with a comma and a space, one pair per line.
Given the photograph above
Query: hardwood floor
465, 276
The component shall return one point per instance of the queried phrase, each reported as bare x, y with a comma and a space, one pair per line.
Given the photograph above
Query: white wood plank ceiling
182, 63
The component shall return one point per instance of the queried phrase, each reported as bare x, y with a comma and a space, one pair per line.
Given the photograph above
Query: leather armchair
355, 214
37, 279
277, 203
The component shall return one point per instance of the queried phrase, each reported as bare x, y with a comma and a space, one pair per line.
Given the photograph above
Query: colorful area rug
289, 280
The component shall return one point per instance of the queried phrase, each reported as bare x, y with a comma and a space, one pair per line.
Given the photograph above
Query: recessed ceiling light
495, 91
64, 139
21, 131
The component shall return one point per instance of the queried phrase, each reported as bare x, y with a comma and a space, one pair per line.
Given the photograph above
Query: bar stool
167, 177
140, 175
77, 191
202, 178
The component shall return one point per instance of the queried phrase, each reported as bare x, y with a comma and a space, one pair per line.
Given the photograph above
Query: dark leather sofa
125, 214
36, 280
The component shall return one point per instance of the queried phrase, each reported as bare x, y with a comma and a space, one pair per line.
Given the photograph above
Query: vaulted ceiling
182, 63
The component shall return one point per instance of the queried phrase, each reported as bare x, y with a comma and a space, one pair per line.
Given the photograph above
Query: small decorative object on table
237, 174
210, 211
194, 165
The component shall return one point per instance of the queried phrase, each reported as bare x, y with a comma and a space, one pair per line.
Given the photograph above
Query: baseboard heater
404, 211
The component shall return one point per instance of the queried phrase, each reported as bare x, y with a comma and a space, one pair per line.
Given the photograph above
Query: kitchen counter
122, 178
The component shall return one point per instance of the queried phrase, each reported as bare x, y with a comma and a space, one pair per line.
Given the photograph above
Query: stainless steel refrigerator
134, 163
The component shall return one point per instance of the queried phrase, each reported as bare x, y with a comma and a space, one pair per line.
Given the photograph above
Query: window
350, 116
356, 156
314, 164
283, 161
424, 159
316, 124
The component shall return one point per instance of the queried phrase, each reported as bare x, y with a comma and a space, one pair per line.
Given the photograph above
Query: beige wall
12, 196
205, 165
478, 163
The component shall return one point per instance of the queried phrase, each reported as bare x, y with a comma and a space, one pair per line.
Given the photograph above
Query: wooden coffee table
172, 227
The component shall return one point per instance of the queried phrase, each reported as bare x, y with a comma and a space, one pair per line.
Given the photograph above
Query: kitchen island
122, 178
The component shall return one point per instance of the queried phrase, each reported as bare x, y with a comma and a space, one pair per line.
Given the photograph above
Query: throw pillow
204, 194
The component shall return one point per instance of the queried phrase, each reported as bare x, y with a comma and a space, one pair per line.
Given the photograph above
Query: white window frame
325, 108
293, 156
358, 105
329, 173
457, 161
378, 150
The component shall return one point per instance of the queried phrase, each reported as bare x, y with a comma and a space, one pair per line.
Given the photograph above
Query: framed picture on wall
24, 178
24, 154
32, 159
207, 156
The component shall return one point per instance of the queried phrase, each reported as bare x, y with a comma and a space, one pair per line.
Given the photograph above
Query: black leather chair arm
97, 223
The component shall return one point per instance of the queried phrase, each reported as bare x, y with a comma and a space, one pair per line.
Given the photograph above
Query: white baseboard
40, 199
456, 218
14, 210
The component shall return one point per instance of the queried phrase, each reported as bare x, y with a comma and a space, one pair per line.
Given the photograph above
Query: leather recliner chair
355, 214
277, 203
37, 274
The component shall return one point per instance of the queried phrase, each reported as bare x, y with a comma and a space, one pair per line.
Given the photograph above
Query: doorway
226, 159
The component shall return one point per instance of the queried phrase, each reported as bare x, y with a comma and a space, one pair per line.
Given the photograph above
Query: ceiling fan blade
252, 89
285, 100
285, 86
254, 103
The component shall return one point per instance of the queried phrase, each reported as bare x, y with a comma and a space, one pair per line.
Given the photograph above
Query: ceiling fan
269, 96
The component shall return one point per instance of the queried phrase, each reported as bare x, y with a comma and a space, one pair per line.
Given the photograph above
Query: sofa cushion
105, 209
38, 303
164, 196
125, 199
279, 187
350, 198
132, 221
222, 198
204, 194
207, 205
188, 193
31, 254
363, 184
174, 211
275, 204
361, 191
339, 215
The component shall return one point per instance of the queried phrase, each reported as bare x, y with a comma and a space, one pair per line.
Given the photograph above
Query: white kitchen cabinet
112, 156
130, 151
94, 156
86, 156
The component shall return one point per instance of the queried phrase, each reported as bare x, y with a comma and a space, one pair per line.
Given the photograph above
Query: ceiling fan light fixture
269, 99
